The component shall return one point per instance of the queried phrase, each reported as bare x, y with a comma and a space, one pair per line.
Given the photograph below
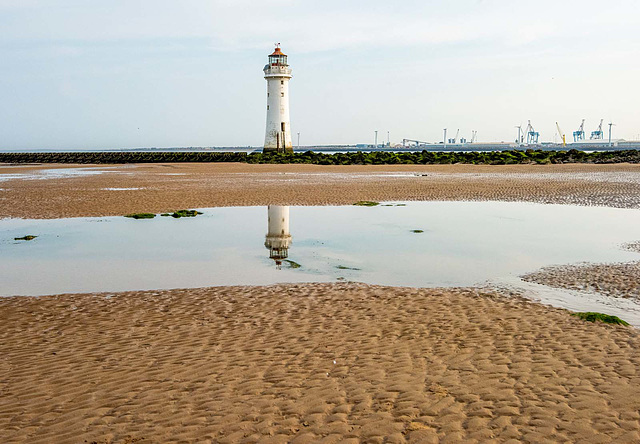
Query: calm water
462, 243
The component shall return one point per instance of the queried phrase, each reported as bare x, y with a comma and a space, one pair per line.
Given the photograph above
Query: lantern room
277, 57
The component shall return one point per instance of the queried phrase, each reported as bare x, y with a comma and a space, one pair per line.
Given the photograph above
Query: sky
90, 74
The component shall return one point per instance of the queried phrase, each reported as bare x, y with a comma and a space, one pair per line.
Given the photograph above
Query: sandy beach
304, 363
116, 190
312, 363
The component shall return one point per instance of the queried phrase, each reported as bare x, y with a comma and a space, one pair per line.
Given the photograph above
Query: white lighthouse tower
278, 133
278, 238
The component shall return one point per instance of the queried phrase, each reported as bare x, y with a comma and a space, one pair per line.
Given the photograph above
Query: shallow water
61, 173
462, 243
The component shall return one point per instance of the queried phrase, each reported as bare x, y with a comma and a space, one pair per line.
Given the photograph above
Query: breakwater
351, 158
120, 157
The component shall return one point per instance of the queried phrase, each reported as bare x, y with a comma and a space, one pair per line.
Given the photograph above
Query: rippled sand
312, 363
617, 280
50, 191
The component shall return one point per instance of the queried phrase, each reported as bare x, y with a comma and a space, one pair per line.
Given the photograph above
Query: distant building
278, 132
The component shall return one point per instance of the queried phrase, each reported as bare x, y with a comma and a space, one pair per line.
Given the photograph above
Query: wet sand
165, 187
616, 280
312, 363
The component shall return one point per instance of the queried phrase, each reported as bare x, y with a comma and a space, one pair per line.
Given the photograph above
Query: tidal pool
422, 244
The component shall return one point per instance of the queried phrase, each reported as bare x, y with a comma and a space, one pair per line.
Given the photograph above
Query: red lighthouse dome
277, 57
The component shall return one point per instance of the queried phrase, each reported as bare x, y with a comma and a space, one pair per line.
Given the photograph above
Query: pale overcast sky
87, 74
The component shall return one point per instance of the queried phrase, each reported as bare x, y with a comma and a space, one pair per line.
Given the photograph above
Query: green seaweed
342, 267
176, 214
185, 213
28, 237
292, 264
417, 231
366, 203
141, 215
448, 157
592, 316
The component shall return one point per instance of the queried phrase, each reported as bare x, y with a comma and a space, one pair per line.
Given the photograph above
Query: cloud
305, 26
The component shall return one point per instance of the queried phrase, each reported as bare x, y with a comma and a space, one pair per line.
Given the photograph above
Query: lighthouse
278, 132
278, 238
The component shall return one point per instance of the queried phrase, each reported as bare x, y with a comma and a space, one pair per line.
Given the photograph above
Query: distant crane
562, 136
455, 139
474, 135
520, 138
532, 135
579, 135
406, 142
598, 134
610, 125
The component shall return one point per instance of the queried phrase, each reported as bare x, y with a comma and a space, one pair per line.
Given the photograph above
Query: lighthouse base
288, 149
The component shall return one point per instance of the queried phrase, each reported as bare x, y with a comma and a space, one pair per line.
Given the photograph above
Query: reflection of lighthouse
278, 238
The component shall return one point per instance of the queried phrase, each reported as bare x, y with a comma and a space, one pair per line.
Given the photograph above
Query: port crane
579, 135
598, 134
520, 139
474, 134
455, 139
532, 135
562, 136
611, 124
406, 142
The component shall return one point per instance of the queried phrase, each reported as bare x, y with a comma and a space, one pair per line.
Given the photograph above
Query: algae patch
342, 267
28, 237
176, 214
182, 213
599, 317
185, 213
141, 215
292, 264
366, 203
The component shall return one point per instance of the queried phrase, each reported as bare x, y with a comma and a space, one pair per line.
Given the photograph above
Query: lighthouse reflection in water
278, 238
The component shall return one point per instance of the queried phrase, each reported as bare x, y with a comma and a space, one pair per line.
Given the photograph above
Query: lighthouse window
282, 126
282, 82
281, 94
267, 107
